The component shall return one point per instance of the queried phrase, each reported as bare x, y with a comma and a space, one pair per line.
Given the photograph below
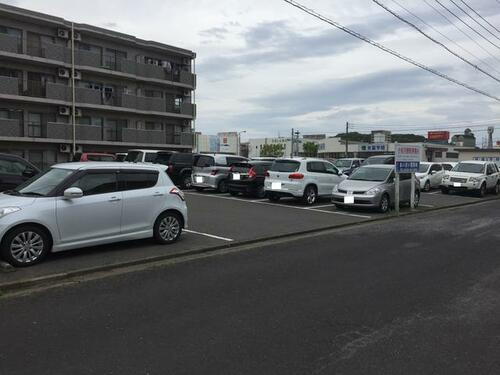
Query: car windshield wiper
34, 193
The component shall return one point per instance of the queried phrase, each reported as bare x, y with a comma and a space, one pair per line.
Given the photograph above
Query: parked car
93, 156
448, 165
74, 205
430, 175
120, 156
248, 178
379, 159
163, 157
372, 186
14, 170
302, 178
348, 165
472, 176
142, 156
264, 158
180, 166
211, 171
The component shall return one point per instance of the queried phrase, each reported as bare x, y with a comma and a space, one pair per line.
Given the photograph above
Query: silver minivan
372, 186
211, 171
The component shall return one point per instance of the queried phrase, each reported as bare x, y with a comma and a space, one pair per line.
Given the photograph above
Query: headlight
336, 188
373, 191
8, 210
475, 179
446, 177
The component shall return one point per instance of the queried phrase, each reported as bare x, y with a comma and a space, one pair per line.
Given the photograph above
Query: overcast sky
264, 66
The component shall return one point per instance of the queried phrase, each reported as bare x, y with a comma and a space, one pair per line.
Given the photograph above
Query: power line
444, 36
434, 40
477, 14
388, 50
439, 124
466, 24
459, 29
472, 18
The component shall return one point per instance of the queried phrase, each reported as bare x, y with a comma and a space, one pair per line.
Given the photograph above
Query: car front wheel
427, 186
222, 188
496, 189
186, 182
384, 204
167, 228
25, 246
482, 190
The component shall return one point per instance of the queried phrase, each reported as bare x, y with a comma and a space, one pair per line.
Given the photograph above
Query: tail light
296, 176
252, 173
177, 192
267, 173
170, 168
214, 172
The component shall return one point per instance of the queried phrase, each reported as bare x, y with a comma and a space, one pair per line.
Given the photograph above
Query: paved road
414, 296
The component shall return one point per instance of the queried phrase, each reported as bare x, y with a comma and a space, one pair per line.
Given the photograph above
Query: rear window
379, 160
285, 166
133, 180
447, 167
203, 161
182, 158
150, 157
134, 156
163, 157
231, 160
241, 167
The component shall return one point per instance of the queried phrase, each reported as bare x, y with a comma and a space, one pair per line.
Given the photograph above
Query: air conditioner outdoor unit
79, 149
63, 33
63, 73
78, 74
78, 112
77, 36
64, 111
187, 92
186, 61
64, 148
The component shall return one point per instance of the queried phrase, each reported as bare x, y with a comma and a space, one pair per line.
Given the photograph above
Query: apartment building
127, 93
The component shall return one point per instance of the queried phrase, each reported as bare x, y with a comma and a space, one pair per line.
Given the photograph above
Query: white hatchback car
75, 205
430, 175
303, 178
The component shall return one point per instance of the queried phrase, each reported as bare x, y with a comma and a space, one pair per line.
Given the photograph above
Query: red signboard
438, 136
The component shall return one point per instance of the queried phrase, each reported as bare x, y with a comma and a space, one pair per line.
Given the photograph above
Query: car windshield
285, 166
342, 163
377, 160
44, 183
134, 156
469, 168
370, 174
423, 168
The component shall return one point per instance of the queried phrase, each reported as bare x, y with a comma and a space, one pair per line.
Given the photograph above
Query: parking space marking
217, 196
315, 210
427, 205
323, 206
435, 192
209, 235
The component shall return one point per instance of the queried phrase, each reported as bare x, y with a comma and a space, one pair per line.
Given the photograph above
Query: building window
10, 31
34, 124
111, 130
438, 154
112, 58
153, 94
452, 155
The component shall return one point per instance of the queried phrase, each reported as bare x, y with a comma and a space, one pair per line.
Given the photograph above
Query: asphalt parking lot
218, 220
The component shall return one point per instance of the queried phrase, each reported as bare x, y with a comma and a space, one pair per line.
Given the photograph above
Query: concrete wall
10, 128
9, 85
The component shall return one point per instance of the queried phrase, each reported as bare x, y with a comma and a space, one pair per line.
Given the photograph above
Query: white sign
407, 158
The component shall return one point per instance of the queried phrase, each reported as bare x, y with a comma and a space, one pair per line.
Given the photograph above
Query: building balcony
143, 136
9, 43
9, 85
11, 128
65, 131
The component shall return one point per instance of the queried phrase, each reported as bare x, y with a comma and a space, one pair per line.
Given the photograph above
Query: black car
379, 159
179, 169
248, 178
14, 170
163, 157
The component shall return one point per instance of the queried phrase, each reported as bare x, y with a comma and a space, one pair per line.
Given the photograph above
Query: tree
310, 149
273, 150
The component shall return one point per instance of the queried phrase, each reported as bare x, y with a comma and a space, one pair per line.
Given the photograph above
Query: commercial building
483, 154
127, 92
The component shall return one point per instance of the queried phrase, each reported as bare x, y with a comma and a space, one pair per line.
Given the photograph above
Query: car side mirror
432, 172
29, 172
73, 192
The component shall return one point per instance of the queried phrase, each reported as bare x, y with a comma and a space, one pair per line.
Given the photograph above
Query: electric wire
466, 24
446, 37
477, 14
459, 29
388, 50
402, 19
473, 19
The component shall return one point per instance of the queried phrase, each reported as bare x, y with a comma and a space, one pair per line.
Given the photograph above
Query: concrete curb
41, 281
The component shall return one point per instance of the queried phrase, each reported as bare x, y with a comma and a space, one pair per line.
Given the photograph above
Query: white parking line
217, 196
435, 192
427, 205
208, 235
326, 205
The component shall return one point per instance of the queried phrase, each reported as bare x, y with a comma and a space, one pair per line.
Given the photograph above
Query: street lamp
239, 141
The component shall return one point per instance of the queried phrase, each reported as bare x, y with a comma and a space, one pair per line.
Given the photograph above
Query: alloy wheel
169, 228
311, 195
26, 247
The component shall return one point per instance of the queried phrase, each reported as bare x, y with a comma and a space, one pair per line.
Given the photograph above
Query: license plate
236, 176
276, 185
457, 184
199, 179
349, 199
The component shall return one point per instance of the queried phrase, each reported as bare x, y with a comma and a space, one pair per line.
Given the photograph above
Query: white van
141, 156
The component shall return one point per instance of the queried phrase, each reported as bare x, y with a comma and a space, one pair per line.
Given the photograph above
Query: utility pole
291, 148
297, 133
347, 139
73, 99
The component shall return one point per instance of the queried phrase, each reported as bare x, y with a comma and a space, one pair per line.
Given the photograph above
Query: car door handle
114, 199
158, 194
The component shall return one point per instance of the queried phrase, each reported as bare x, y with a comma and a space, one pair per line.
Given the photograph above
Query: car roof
383, 166
475, 162
299, 159
142, 150
381, 156
106, 165
350, 159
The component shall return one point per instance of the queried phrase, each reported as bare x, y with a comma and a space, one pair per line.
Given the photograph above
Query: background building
128, 92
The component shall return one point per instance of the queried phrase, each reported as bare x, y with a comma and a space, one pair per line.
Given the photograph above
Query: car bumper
461, 186
243, 187
287, 189
360, 200
206, 181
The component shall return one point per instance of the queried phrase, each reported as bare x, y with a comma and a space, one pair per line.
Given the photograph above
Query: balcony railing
9, 85
65, 131
9, 43
11, 128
